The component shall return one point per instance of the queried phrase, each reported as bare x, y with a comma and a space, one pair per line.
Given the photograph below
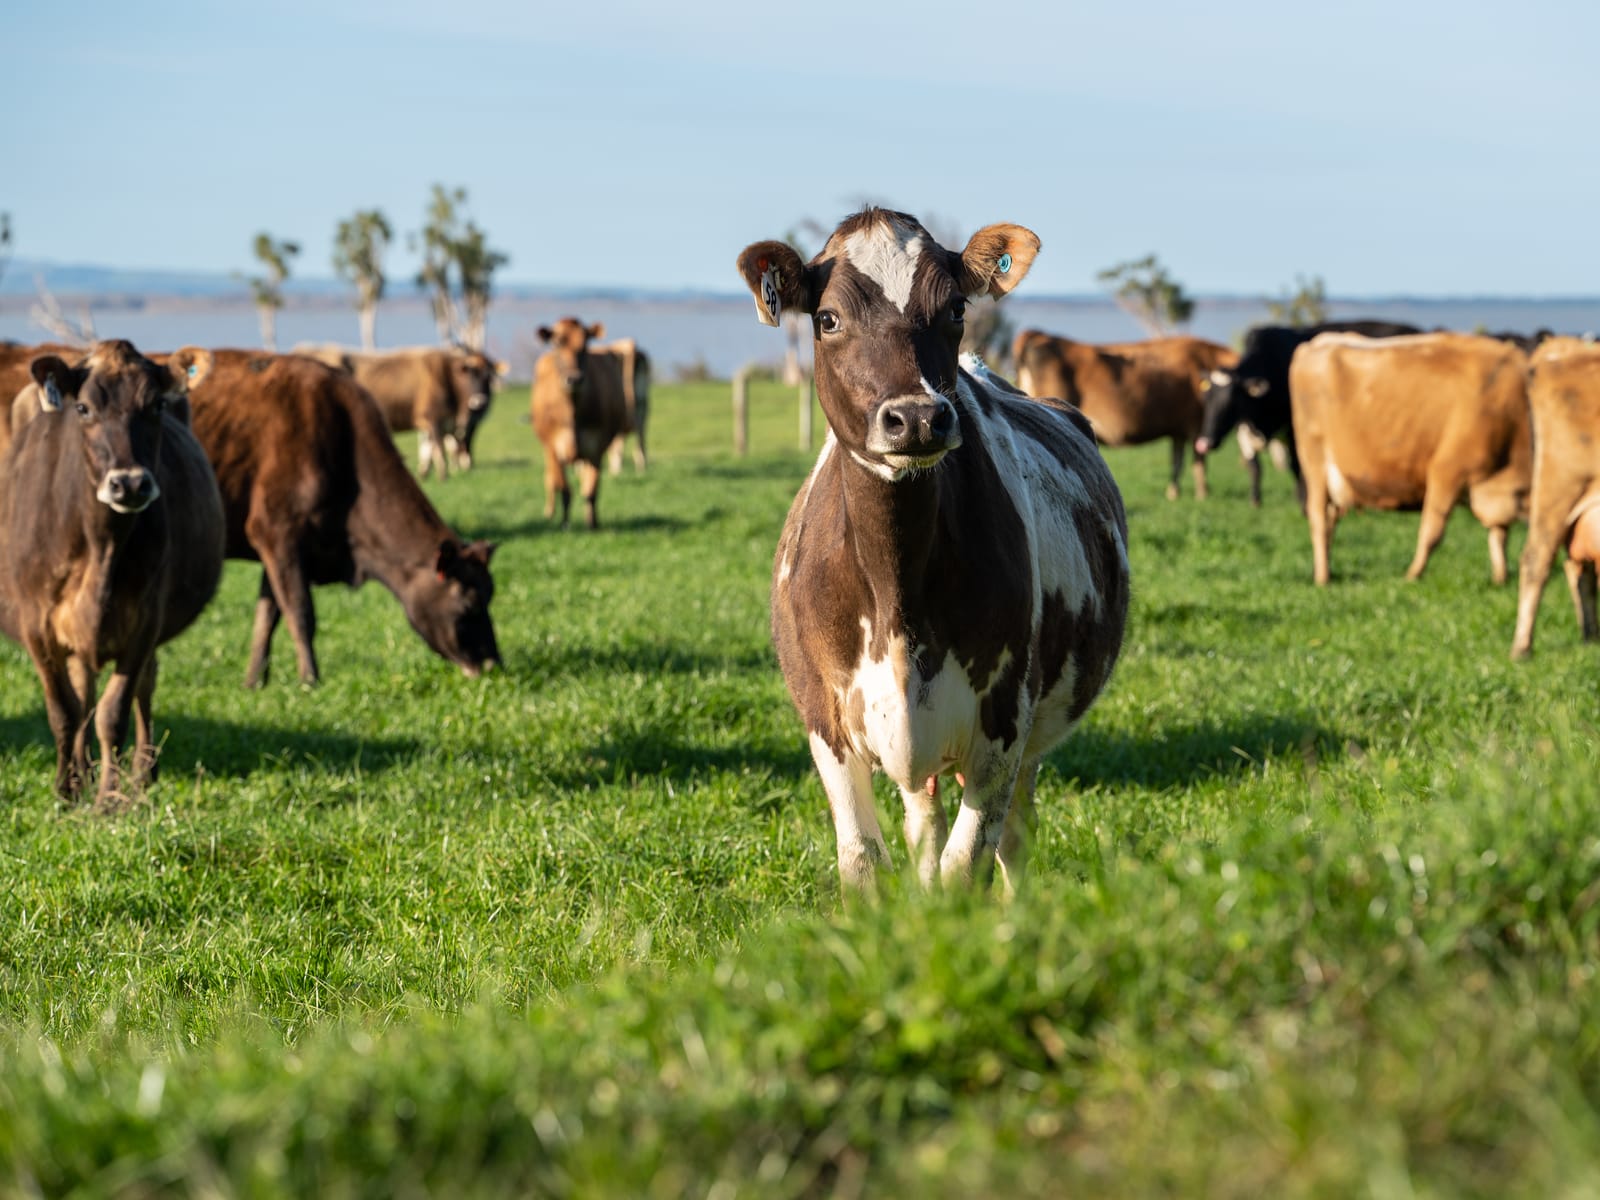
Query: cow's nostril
894, 421
944, 419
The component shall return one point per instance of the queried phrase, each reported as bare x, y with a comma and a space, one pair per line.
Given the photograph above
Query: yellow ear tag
769, 304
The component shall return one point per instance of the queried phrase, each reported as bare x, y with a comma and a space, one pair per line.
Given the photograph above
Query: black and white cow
950, 588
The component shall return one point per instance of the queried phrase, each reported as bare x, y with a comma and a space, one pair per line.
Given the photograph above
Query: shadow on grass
227, 749
1186, 754
541, 526
584, 659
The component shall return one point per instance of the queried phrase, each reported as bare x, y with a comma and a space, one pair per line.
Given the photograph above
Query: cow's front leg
848, 782
968, 856
927, 829
144, 747
589, 485
65, 712
111, 723
1022, 822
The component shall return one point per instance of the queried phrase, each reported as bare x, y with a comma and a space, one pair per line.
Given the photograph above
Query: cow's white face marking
887, 254
1220, 378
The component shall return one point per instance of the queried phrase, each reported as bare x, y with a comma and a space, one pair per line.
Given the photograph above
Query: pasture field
1315, 908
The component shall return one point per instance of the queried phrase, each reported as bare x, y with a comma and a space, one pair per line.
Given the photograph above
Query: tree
1144, 290
456, 255
359, 245
268, 289
1307, 305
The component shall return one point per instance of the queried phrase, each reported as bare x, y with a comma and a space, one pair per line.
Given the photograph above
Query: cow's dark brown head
472, 379
449, 606
888, 304
115, 397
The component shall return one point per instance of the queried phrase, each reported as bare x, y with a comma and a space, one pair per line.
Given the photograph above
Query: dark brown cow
951, 585
314, 489
1132, 392
585, 398
1412, 422
1564, 512
111, 537
442, 394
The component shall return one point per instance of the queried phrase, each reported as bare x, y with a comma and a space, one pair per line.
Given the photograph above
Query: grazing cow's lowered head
449, 606
116, 397
888, 307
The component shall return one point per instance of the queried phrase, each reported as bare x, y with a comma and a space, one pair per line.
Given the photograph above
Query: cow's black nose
915, 426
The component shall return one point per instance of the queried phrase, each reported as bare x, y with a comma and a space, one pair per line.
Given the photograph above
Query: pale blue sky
1392, 147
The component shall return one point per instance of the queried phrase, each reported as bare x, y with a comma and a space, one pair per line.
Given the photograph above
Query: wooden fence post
741, 411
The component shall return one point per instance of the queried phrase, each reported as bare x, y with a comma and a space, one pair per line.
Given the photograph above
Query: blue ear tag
193, 370
1004, 265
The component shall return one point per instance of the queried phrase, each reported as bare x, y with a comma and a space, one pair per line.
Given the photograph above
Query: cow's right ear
55, 380
777, 278
187, 367
546, 333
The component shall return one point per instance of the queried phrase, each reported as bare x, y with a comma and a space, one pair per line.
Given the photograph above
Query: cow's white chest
1339, 490
912, 725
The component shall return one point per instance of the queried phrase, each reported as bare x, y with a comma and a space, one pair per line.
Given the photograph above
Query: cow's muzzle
478, 401
919, 429
128, 489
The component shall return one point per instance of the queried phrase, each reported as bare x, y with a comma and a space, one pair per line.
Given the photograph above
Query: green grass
1315, 908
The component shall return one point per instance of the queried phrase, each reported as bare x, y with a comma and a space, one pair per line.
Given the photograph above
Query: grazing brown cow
1132, 392
442, 394
314, 489
585, 397
111, 537
1412, 422
951, 585
1564, 512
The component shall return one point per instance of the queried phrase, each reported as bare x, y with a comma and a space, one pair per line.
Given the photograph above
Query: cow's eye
958, 310
83, 409
828, 321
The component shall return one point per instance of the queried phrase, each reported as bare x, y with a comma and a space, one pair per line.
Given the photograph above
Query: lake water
722, 332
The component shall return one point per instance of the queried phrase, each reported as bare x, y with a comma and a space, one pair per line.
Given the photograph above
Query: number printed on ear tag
769, 305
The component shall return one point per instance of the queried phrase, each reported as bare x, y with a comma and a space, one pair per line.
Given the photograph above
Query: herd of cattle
950, 588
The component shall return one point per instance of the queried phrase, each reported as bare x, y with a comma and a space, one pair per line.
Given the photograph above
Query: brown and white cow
111, 541
1564, 512
314, 489
585, 398
1132, 392
1412, 422
442, 394
951, 585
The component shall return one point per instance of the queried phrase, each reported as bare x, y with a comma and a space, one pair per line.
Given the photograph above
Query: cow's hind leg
614, 453
267, 614
287, 579
1201, 489
1581, 583
1177, 468
589, 485
1439, 497
1022, 821
926, 829
144, 746
968, 856
848, 783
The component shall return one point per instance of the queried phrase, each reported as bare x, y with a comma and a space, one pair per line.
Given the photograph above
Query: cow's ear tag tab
769, 304
1004, 265
193, 370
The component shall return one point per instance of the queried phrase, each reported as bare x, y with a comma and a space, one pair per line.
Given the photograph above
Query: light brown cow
442, 394
951, 585
1132, 392
1564, 512
1412, 422
585, 398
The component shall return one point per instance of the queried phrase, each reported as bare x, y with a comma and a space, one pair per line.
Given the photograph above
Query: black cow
1257, 390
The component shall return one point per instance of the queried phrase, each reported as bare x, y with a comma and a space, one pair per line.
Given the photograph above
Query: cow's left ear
187, 367
996, 259
55, 380
502, 368
480, 550
449, 554
597, 330
777, 278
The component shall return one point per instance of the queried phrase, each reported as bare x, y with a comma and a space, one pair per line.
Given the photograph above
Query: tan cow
585, 398
1132, 392
1564, 399
1412, 422
441, 393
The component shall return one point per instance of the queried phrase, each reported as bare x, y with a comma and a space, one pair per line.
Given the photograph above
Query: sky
1391, 147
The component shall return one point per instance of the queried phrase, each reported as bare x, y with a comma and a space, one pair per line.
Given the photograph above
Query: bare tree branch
47, 314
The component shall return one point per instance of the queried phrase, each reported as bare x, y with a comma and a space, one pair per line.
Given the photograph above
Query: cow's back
412, 387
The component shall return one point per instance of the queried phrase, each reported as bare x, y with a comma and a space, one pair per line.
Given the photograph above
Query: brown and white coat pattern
951, 585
